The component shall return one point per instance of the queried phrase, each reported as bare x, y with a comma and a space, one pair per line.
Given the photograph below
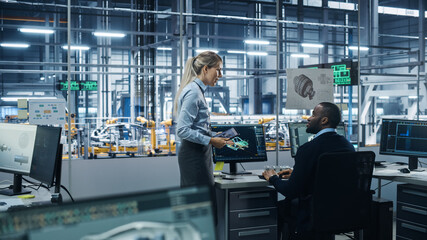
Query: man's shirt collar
326, 130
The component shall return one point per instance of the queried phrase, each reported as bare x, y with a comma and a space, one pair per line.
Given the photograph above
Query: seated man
300, 181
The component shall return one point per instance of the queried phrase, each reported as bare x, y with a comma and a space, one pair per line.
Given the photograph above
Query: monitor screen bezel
291, 134
394, 153
39, 175
240, 160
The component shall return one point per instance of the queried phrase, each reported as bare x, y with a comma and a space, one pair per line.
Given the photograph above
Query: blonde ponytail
193, 68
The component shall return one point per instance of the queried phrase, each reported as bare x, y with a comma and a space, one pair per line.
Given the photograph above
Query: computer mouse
404, 170
2, 203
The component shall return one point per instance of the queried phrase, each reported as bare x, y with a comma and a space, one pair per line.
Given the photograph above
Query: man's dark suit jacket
301, 182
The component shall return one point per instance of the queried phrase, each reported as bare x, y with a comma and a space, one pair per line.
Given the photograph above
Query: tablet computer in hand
229, 133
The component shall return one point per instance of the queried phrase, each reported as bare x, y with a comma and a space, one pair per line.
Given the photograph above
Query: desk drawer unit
411, 222
264, 233
253, 214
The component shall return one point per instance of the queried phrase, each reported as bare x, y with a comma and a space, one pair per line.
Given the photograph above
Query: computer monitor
16, 153
46, 154
172, 214
29, 150
298, 136
404, 138
249, 146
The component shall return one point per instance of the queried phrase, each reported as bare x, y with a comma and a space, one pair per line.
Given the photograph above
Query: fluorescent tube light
109, 34
312, 45
15, 45
203, 50
412, 97
165, 48
258, 53
260, 42
36, 30
14, 99
76, 47
236, 51
384, 97
299, 55
361, 48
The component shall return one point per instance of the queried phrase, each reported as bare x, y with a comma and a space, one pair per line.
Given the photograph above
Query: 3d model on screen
304, 86
149, 231
238, 144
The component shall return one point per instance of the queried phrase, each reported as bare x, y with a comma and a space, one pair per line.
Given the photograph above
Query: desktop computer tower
381, 227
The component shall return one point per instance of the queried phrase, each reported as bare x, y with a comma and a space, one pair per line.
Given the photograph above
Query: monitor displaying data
248, 145
16, 147
298, 135
173, 214
404, 137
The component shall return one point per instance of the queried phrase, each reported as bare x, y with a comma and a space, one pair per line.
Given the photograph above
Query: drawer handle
414, 210
415, 228
254, 232
421, 194
258, 195
253, 214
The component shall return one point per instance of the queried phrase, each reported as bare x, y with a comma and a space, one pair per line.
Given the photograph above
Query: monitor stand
17, 187
413, 163
233, 170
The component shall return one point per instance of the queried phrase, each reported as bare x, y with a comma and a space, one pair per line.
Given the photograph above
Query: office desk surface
41, 196
241, 181
391, 172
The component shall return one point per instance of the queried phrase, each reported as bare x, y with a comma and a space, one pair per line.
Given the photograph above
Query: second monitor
248, 146
299, 136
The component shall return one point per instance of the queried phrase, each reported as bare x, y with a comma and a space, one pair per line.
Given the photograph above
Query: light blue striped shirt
193, 114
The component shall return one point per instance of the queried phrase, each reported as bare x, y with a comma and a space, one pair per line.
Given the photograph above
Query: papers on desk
10, 202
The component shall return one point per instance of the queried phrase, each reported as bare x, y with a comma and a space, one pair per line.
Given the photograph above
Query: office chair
342, 197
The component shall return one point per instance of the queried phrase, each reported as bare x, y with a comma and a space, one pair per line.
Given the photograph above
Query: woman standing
193, 122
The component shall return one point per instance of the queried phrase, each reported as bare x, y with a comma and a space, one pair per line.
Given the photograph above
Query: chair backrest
342, 197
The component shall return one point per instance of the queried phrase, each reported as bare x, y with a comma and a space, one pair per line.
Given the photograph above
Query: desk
391, 172
41, 196
246, 208
411, 204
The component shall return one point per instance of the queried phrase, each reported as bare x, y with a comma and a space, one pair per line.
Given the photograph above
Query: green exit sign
63, 86
89, 86
79, 86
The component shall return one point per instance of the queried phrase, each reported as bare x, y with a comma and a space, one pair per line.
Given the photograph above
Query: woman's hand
220, 142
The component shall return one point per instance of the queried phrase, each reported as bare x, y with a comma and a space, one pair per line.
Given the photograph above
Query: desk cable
384, 185
242, 166
44, 186
348, 235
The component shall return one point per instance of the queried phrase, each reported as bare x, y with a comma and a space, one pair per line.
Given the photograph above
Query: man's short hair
332, 112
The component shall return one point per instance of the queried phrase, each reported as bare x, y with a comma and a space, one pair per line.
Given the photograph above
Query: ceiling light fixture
36, 30
257, 53
14, 99
354, 48
236, 51
165, 48
75, 47
259, 42
299, 55
312, 45
203, 50
15, 45
109, 34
